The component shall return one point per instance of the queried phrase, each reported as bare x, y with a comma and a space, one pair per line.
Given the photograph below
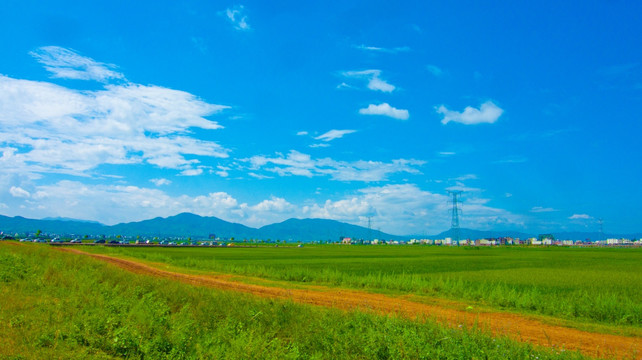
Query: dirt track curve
515, 326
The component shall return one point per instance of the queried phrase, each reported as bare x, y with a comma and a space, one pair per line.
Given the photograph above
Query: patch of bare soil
514, 326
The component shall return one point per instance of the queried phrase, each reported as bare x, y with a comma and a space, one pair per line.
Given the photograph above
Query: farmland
594, 285
56, 304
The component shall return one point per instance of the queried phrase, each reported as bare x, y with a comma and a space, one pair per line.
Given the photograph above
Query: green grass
67, 306
594, 285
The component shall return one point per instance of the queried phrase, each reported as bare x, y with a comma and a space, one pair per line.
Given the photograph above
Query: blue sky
256, 112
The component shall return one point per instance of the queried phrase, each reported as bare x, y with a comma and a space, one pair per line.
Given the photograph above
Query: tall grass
595, 285
60, 305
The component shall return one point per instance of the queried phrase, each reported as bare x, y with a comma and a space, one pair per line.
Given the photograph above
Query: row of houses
536, 241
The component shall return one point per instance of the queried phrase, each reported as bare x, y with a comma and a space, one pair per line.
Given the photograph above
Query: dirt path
517, 327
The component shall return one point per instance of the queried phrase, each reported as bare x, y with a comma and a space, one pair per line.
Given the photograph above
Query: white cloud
322, 145
466, 177
273, 204
406, 209
160, 182
580, 217
386, 110
447, 153
435, 70
459, 186
334, 134
487, 113
540, 209
50, 128
67, 64
374, 81
222, 171
397, 209
301, 133
19, 192
259, 176
236, 15
192, 172
511, 160
383, 50
299, 164
77, 200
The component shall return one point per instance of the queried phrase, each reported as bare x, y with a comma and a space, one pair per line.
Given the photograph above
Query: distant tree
38, 232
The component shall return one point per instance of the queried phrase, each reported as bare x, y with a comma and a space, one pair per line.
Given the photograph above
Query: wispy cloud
487, 113
299, 164
466, 177
540, 209
68, 64
580, 217
302, 133
374, 80
394, 50
50, 128
236, 15
386, 110
223, 171
407, 209
334, 134
259, 176
394, 208
511, 160
321, 145
435, 70
459, 186
160, 181
19, 192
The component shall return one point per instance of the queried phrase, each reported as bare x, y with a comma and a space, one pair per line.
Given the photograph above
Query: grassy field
594, 285
67, 306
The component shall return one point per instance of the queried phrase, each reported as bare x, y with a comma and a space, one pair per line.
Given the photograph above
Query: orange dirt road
517, 327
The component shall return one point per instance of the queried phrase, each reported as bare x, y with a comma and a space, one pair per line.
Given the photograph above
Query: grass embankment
60, 305
593, 285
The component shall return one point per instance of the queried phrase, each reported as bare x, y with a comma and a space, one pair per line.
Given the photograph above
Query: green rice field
594, 285
56, 305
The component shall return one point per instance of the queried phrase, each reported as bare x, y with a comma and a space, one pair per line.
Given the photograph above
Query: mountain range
305, 230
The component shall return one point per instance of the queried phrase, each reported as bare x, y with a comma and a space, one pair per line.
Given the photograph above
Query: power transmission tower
601, 229
454, 224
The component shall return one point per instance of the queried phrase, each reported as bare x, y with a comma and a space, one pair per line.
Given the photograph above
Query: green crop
600, 285
68, 306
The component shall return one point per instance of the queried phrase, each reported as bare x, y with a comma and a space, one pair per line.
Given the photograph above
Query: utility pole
454, 224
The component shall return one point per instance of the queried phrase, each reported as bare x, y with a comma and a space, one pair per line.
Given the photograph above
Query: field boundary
514, 326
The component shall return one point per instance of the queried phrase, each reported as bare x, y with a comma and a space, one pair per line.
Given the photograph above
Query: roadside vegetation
594, 285
62, 305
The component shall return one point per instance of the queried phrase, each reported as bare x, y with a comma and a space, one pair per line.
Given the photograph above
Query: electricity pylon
454, 224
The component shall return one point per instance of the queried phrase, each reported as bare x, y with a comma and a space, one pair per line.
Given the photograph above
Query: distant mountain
23, 225
196, 226
70, 219
306, 230
185, 224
